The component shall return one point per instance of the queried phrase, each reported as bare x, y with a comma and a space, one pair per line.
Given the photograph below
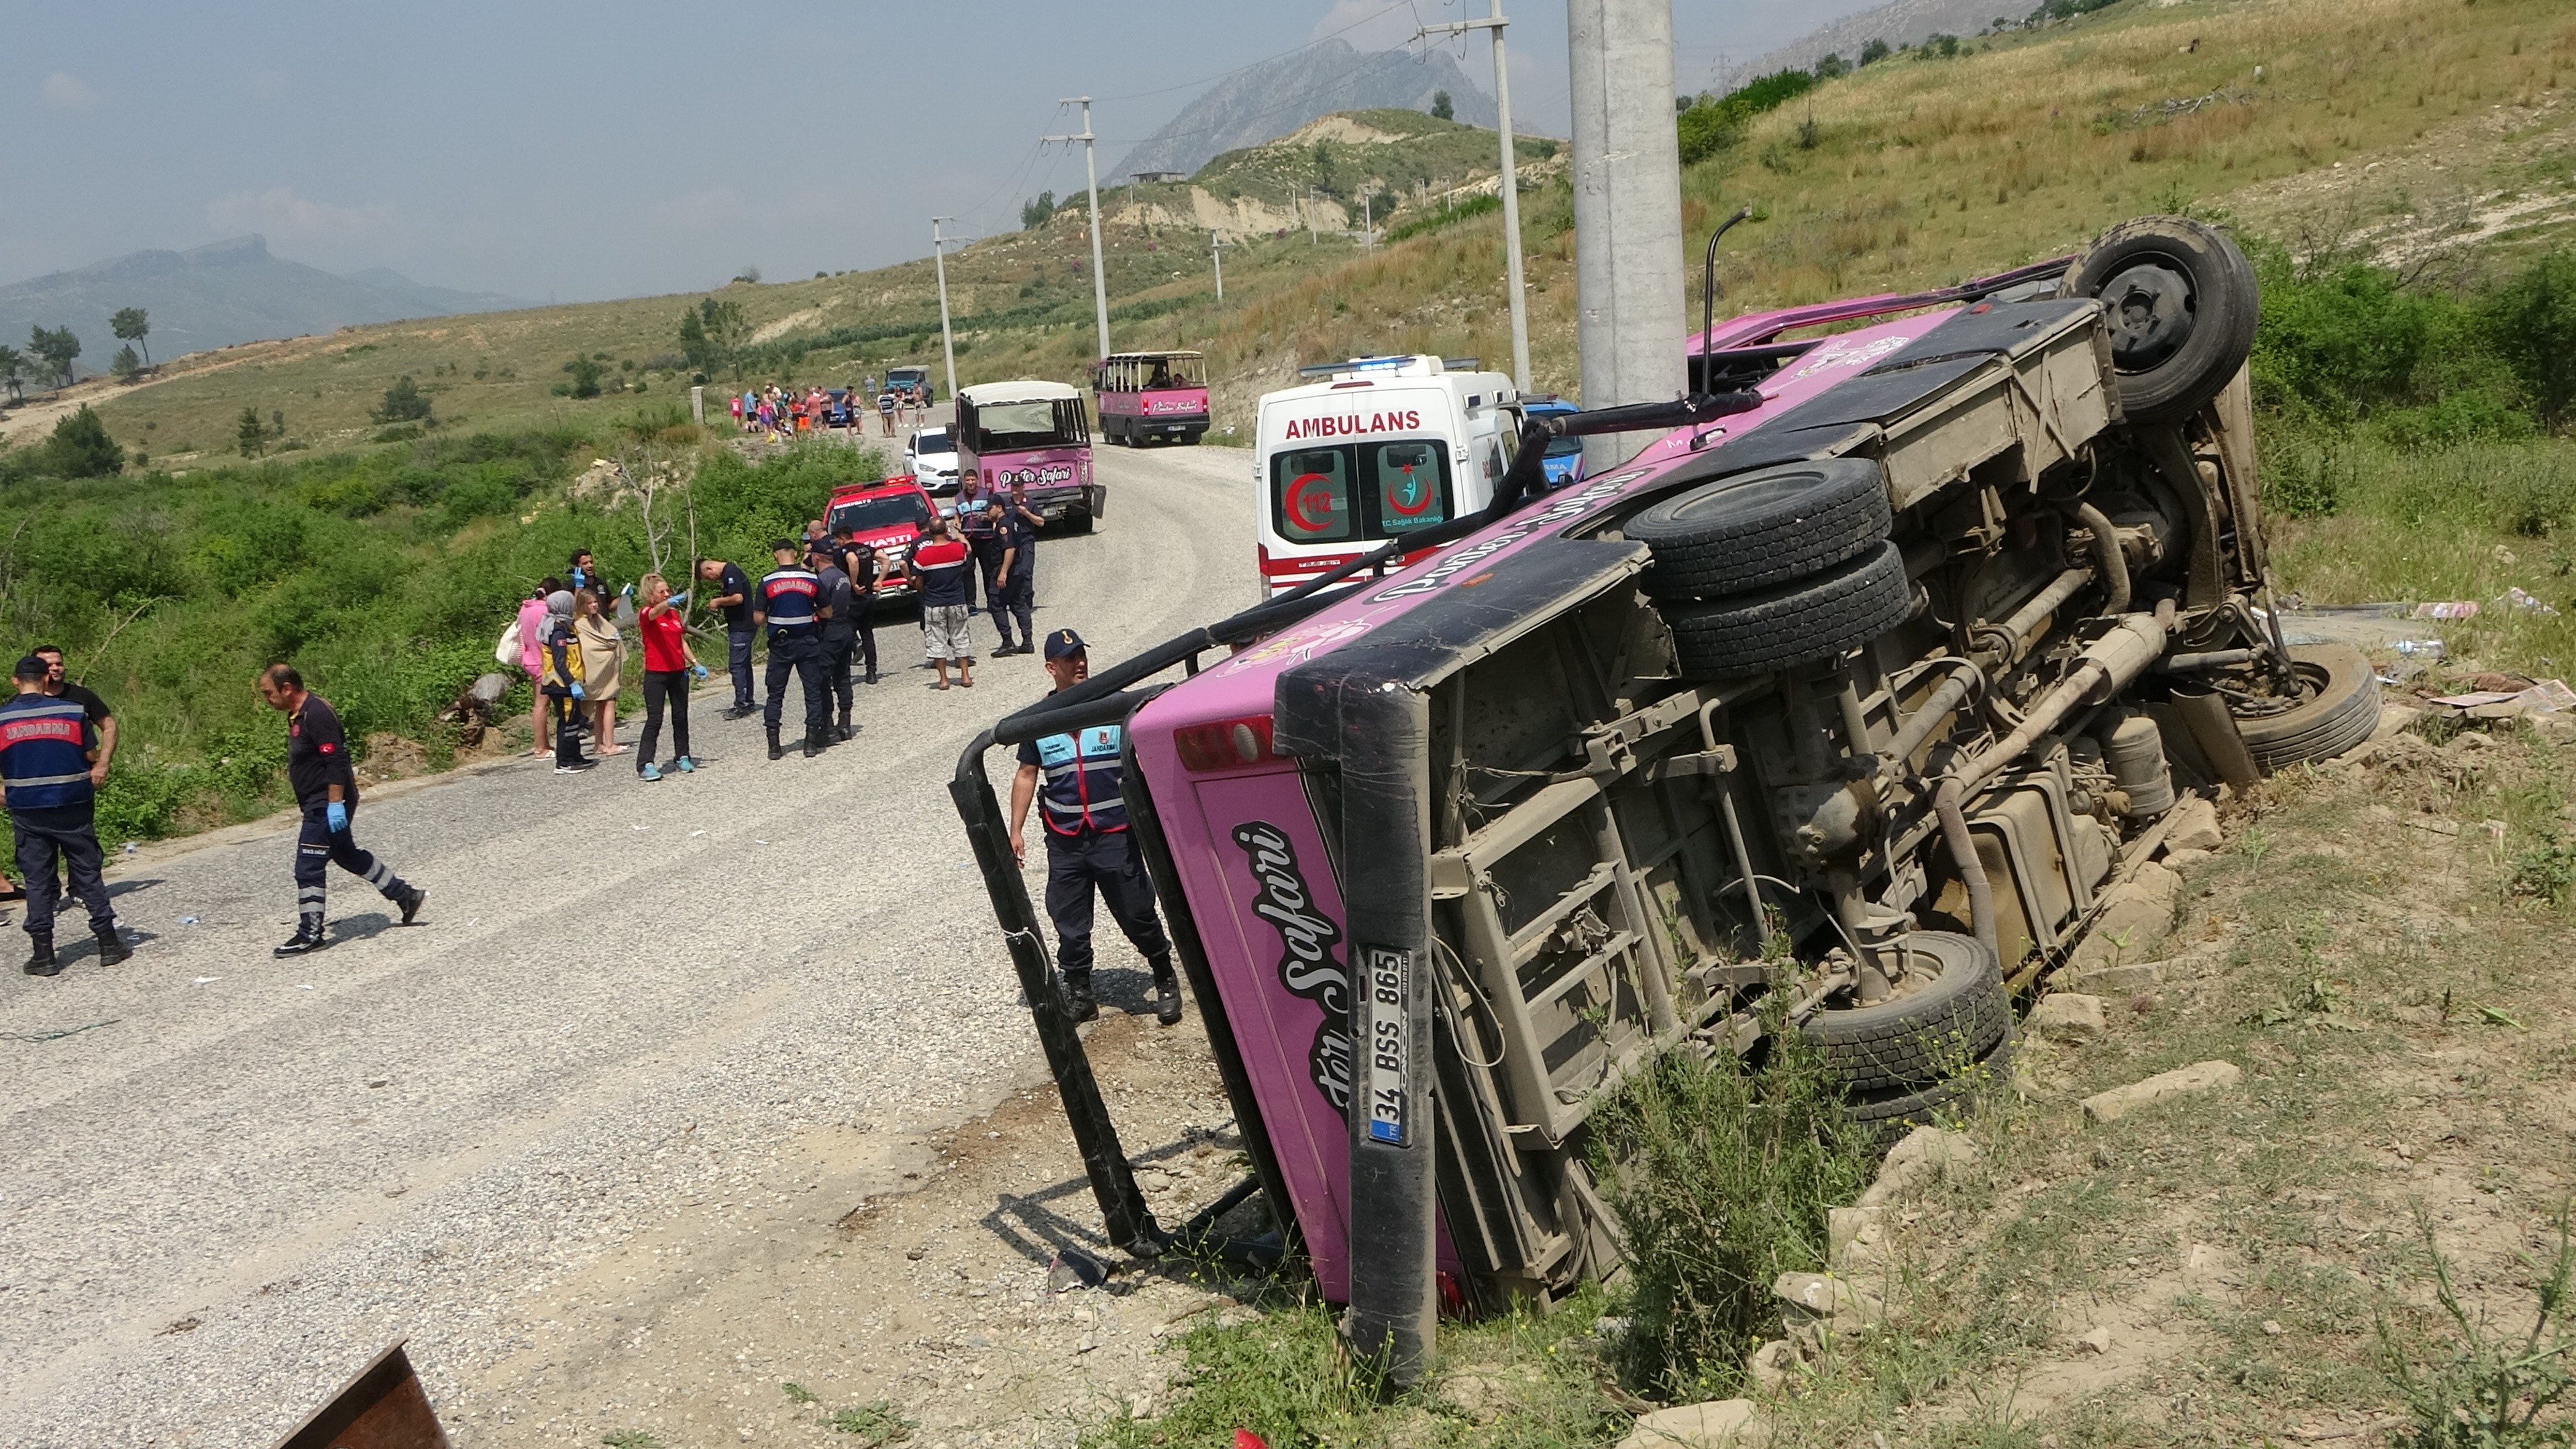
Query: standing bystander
562, 683
48, 777
840, 607
101, 718
791, 607
532, 659
326, 790
669, 664
729, 590
938, 566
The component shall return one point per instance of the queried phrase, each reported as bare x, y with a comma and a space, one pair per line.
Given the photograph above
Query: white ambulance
1376, 448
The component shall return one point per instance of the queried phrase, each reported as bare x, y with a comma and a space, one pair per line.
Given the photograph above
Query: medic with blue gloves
326, 789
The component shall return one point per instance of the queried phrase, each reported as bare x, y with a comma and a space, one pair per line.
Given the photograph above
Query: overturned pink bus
1859, 687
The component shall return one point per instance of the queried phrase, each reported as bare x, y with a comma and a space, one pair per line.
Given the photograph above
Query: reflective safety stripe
1083, 780
23, 782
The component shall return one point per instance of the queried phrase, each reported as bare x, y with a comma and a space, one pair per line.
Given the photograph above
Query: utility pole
947, 342
1627, 210
1214, 256
1510, 181
1091, 183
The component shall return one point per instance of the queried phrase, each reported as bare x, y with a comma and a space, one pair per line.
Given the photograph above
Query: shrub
584, 372
2531, 322
79, 448
404, 403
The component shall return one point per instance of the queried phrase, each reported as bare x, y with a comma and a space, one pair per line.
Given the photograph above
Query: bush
584, 372
79, 448
1721, 1173
404, 403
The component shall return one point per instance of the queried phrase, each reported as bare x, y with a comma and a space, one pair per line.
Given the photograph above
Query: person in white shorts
940, 565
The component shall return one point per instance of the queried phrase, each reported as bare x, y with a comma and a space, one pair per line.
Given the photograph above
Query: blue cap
1063, 644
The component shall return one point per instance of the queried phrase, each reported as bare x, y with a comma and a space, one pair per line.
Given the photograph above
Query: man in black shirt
317, 766
101, 718
1017, 593
789, 604
838, 607
859, 561
731, 592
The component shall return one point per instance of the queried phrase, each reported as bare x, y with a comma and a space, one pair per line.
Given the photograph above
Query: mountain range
217, 295
1271, 99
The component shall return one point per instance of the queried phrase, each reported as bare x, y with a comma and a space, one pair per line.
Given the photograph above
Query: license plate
1390, 975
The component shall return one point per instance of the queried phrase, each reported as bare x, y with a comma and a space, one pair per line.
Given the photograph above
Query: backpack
508, 650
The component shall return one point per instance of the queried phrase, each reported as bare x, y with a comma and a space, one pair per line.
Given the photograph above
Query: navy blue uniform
983, 540
791, 599
739, 631
838, 636
1089, 845
44, 766
317, 757
1016, 597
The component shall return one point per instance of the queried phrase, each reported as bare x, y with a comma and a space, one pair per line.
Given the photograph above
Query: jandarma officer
1088, 844
789, 602
326, 790
47, 745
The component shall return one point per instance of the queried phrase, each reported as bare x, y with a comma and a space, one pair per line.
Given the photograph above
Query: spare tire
2181, 302
1815, 618
1913, 1040
1887, 1116
1764, 527
2338, 708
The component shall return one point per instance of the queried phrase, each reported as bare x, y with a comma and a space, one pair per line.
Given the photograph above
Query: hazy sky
556, 152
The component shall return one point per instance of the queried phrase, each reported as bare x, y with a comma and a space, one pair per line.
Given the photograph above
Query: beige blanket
603, 656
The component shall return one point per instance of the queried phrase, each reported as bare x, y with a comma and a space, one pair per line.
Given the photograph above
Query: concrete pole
1510, 181
1218, 259
1627, 211
1091, 185
947, 341
697, 405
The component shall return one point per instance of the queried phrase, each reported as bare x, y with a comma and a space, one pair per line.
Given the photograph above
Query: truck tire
1913, 1041
1762, 528
2181, 303
1814, 618
2338, 709
1888, 1116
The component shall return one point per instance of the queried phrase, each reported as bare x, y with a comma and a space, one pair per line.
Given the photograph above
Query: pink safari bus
1148, 395
1450, 852
1033, 435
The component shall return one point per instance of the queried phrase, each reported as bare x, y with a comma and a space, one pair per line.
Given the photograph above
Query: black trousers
988, 562
69, 834
317, 846
1015, 600
837, 649
661, 685
567, 739
863, 636
802, 652
738, 665
1106, 860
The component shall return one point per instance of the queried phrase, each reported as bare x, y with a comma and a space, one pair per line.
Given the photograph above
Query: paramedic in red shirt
326, 789
669, 665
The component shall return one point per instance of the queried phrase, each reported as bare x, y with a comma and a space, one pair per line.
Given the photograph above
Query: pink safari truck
1034, 435
1144, 396
1861, 685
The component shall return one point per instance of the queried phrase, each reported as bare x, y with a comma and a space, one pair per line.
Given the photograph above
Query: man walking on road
1088, 844
729, 589
840, 606
326, 789
46, 776
790, 605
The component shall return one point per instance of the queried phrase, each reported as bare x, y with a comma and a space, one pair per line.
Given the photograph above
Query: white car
931, 457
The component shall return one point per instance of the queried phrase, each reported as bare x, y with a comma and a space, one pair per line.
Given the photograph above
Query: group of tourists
783, 413
570, 637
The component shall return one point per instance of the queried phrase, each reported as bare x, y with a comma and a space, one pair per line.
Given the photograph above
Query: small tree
58, 347
81, 448
585, 376
404, 403
1829, 67
13, 369
1441, 109
131, 325
1035, 210
1874, 52
125, 366
250, 435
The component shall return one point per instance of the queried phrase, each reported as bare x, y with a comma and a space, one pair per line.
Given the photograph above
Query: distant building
1153, 177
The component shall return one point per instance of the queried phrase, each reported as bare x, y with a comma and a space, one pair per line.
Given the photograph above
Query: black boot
112, 948
410, 901
848, 732
1078, 1002
776, 750
310, 936
1167, 993
814, 743
40, 961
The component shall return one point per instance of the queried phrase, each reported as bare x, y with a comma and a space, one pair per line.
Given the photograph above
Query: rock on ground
1918, 1162
2065, 1016
1720, 1424
2116, 1103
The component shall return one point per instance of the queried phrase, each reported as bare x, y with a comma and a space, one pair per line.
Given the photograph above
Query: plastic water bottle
2419, 648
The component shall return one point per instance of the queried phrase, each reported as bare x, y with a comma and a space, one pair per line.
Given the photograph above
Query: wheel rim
1752, 493
2311, 679
2152, 309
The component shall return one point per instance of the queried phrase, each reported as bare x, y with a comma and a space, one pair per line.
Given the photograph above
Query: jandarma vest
1082, 781
42, 761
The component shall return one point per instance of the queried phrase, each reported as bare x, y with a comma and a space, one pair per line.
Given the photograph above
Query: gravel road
622, 1000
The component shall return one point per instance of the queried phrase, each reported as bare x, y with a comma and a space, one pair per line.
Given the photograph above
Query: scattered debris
189, 1324
1073, 1269
2116, 1103
2097, 1341
188, 920
2521, 602
2447, 609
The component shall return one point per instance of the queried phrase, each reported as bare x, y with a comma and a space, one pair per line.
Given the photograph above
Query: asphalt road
221, 1203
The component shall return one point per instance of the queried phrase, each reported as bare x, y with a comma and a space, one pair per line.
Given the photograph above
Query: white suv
931, 457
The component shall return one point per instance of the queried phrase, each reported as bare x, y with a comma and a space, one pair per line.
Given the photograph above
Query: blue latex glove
697, 671
337, 813
679, 599
576, 691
